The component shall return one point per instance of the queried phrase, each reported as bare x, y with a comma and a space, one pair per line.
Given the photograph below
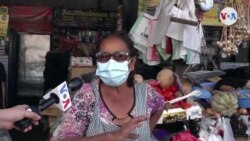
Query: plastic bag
228, 132
162, 14
184, 10
141, 31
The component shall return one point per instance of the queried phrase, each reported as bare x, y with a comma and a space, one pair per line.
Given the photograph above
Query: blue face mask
113, 73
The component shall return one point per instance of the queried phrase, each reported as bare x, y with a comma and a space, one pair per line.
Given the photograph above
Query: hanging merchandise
163, 20
190, 48
140, 31
175, 19
242, 27
190, 35
186, 37
184, 10
236, 29
140, 35
227, 43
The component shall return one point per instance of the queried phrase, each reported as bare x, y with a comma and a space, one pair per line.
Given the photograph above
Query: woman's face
113, 45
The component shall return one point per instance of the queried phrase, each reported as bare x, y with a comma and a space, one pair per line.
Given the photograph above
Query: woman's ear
132, 63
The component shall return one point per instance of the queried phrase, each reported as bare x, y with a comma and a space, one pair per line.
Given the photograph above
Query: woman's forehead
113, 44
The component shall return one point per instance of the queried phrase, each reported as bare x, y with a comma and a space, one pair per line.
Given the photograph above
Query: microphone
59, 96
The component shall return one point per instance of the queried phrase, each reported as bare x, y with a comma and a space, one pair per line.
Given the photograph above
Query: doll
166, 85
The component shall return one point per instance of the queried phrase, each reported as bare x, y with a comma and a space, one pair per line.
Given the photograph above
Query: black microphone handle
54, 99
26, 122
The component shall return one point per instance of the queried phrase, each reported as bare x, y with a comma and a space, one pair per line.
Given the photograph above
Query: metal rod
184, 21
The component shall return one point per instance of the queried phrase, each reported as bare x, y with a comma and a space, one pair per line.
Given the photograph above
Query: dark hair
130, 45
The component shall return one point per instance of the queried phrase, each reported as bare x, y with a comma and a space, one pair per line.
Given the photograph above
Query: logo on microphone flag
63, 94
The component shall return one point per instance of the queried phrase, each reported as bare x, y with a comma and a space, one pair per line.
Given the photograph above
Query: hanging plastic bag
227, 128
141, 31
184, 10
192, 42
152, 56
141, 34
163, 20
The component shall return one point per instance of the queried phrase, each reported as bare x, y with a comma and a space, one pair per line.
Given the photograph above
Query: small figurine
165, 84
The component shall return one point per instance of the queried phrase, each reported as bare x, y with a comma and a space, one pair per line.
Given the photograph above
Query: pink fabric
185, 136
78, 116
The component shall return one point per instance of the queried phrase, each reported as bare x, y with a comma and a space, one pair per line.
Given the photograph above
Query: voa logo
228, 16
65, 94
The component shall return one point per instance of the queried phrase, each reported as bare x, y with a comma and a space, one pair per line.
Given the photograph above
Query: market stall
195, 54
201, 40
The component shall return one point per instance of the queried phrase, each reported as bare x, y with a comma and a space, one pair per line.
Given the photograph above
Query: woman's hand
126, 129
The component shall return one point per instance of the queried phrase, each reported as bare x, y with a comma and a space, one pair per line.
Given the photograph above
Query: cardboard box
179, 114
81, 61
172, 115
77, 71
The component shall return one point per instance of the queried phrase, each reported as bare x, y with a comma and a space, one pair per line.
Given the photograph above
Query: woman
113, 108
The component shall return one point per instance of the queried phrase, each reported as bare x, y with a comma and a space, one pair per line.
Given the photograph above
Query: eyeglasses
119, 56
